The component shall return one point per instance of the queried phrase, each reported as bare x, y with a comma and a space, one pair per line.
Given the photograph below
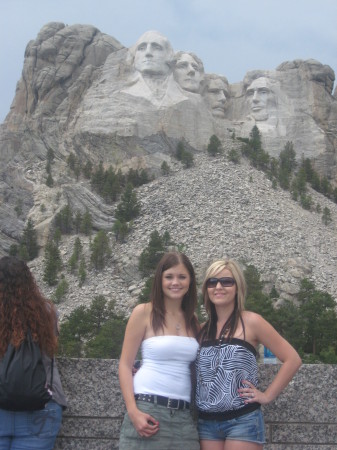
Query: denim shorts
31, 430
177, 430
249, 427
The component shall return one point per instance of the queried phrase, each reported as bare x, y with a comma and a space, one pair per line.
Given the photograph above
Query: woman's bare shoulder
143, 310
251, 317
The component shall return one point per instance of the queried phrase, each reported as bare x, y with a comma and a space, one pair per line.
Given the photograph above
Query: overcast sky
230, 36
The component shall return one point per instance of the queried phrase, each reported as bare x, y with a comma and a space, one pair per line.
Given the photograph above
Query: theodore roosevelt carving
216, 94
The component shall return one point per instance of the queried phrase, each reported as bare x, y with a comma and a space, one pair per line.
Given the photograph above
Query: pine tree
100, 250
144, 296
319, 318
50, 155
77, 221
166, 239
108, 343
326, 216
64, 220
121, 229
53, 263
300, 181
234, 156
61, 290
180, 150
86, 225
187, 159
165, 168
326, 187
129, 207
87, 170
98, 178
287, 158
29, 241
73, 261
73, 332
151, 255
214, 146
23, 253
13, 250
82, 273
254, 151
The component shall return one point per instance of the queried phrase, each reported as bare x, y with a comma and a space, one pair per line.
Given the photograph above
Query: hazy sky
230, 36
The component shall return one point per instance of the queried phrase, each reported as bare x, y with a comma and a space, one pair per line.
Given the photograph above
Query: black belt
228, 415
171, 403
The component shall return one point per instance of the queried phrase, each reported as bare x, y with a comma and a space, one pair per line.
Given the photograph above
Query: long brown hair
23, 307
209, 329
189, 302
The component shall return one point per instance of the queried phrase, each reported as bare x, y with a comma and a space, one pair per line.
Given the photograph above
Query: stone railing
303, 417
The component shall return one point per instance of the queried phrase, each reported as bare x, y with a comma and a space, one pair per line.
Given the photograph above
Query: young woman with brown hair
158, 397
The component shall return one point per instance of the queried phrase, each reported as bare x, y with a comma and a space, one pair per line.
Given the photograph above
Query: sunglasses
225, 282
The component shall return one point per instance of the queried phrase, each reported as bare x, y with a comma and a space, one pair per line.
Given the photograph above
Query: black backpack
23, 384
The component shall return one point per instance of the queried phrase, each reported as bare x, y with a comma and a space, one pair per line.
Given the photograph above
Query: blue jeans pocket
46, 422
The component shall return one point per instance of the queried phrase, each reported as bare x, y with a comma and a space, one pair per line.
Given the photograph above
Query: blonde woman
227, 394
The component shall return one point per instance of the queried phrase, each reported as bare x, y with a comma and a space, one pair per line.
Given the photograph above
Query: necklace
175, 321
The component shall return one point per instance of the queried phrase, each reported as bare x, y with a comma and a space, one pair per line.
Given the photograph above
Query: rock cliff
83, 92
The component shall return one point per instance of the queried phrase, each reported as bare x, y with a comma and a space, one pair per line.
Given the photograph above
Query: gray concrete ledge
303, 417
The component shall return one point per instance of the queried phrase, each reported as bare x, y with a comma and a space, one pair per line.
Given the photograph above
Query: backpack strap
52, 366
52, 373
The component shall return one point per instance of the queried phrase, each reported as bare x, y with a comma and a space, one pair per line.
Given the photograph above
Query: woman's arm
134, 334
291, 361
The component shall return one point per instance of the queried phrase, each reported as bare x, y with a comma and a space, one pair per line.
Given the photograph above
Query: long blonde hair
208, 331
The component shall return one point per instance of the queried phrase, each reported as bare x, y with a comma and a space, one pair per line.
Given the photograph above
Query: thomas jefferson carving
188, 71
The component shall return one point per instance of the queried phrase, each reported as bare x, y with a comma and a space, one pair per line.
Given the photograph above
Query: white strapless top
165, 368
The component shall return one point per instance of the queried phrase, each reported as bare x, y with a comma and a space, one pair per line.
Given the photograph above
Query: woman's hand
251, 394
145, 424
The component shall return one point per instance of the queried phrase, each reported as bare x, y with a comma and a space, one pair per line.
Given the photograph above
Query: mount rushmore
83, 92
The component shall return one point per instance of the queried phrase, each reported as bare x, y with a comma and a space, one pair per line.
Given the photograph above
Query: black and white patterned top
221, 368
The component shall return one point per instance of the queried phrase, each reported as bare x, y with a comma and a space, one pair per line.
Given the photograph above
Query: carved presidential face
216, 95
188, 73
153, 54
260, 98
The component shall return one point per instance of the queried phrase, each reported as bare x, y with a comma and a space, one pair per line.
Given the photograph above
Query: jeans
30, 430
249, 427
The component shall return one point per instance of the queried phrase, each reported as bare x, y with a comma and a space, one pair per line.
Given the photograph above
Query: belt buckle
172, 400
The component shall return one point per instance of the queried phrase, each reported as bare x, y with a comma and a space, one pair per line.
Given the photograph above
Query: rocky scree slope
215, 209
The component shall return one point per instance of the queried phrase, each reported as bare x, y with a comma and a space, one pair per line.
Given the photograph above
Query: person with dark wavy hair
158, 396
23, 308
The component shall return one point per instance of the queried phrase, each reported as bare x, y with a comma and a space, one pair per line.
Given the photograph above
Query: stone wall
303, 417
